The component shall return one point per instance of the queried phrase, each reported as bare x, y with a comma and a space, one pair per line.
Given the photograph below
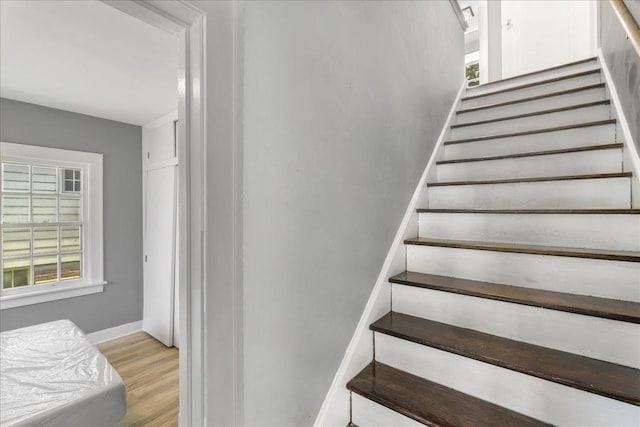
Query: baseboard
115, 332
334, 410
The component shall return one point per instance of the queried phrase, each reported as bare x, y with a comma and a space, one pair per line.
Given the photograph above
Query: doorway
187, 23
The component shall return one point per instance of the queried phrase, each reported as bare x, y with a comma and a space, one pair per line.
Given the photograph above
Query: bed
51, 375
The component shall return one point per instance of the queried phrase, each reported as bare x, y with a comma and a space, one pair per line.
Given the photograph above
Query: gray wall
120, 143
343, 103
624, 64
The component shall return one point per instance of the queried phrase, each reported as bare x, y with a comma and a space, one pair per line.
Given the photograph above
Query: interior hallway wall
624, 65
120, 143
343, 104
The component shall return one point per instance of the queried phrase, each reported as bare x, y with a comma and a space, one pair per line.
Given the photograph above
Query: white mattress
51, 375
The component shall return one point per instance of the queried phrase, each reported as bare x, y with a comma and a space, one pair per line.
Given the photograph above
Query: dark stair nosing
561, 251
535, 211
538, 179
534, 153
595, 376
624, 311
428, 402
532, 132
544, 70
532, 98
534, 84
533, 114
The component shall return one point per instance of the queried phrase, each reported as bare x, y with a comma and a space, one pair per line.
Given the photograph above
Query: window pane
15, 272
70, 208
71, 180
45, 269
16, 241
44, 179
15, 177
15, 208
44, 208
70, 265
45, 240
70, 239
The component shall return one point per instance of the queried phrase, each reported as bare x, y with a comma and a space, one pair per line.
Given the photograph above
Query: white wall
490, 40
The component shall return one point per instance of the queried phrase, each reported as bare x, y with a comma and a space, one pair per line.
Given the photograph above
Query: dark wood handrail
628, 23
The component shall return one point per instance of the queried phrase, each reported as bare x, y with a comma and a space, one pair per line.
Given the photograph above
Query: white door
159, 255
538, 34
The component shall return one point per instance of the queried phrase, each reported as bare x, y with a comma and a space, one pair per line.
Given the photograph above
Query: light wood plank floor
150, 372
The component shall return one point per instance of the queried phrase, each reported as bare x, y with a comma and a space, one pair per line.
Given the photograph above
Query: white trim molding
61, 291
98, 337
335, 408
91, 192
188, 24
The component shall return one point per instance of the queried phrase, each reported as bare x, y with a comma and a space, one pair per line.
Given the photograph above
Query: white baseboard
334, 410
115, 332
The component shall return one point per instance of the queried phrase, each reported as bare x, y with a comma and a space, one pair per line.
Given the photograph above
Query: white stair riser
601, 231
578, 163
366, 413
594, 337
523, 80
603, 278
561, 118
613, 193
535, 397
542, 89
556, 140
581, 97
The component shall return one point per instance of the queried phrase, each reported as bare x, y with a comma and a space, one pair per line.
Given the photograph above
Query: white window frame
92, 280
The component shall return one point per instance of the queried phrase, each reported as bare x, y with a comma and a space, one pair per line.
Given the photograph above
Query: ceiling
86, 57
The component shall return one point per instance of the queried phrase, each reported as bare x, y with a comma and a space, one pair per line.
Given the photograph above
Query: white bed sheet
51, 375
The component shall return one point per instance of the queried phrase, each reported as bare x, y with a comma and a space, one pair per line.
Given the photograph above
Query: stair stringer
335, 409
631, 160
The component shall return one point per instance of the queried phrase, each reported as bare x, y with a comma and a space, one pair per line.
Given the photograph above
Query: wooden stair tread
535, 83
556, 67
532, 132
536, 211
536, 179
534, 153
430, 403
626, 311
533, 114
612, 255
532, 98
595, 376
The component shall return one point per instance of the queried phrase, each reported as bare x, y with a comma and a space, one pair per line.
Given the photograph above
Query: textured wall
343, 103
120, 143
624, 64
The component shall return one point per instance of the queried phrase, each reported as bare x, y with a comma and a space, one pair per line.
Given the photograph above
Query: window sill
50, 294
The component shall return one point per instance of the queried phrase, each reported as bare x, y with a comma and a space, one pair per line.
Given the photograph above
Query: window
50, 224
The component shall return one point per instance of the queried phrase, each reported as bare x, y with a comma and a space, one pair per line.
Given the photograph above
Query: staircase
520, 305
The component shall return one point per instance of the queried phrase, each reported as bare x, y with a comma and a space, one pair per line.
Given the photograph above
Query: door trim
187, 23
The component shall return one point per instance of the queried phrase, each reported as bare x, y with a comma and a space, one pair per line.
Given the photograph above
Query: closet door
160, 173
159, 254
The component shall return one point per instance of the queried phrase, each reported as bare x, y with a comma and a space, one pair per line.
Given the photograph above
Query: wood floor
150, 372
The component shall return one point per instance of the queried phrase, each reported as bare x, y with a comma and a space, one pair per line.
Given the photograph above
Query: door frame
187, 23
